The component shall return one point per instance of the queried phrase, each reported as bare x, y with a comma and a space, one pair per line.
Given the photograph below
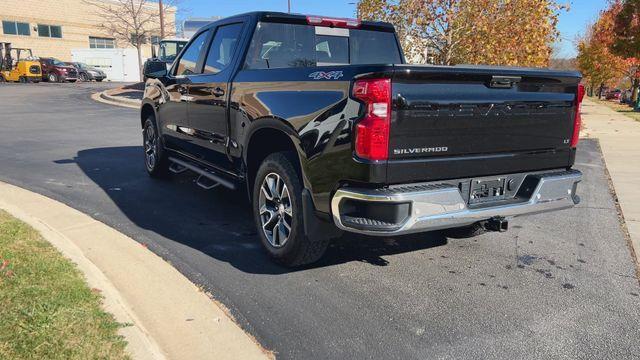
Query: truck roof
275, 16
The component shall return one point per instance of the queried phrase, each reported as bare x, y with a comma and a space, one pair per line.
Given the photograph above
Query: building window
101, 43
53, 31
15, 28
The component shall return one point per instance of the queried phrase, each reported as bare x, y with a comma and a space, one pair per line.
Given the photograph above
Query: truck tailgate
463, 113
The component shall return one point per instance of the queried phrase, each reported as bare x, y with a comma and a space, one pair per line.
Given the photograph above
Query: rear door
209, 94
45, 64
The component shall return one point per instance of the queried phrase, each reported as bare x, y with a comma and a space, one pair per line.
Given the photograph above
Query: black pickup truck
329, 130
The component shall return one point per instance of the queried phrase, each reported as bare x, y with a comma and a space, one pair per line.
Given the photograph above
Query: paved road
556, 285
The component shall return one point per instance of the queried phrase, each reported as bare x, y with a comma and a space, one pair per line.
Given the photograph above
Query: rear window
276, 45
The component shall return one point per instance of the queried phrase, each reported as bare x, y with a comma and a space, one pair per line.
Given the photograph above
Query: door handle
217, 92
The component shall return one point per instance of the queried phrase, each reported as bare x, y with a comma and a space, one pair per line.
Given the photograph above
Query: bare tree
133, 22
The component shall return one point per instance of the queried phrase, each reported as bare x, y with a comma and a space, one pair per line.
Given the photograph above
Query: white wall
118, 64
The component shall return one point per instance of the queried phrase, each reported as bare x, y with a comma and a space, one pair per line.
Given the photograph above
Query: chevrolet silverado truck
327, 130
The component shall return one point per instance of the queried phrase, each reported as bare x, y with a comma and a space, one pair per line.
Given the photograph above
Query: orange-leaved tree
599, 65
497, 32
626, 39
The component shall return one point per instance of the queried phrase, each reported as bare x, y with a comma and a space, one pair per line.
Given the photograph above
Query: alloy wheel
150, 147
276, 213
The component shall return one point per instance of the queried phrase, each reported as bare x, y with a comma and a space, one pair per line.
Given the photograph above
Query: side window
222, 48
189, 60
281, 46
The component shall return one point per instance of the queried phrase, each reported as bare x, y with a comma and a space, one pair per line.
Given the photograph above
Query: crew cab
328, 130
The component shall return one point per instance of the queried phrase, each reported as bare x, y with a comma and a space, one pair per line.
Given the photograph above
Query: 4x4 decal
322, 75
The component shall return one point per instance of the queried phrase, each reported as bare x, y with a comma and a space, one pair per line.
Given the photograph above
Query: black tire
297, 249
84, 78
99, 80
23, 79
53, 77
465, 232
2, 79
158, 167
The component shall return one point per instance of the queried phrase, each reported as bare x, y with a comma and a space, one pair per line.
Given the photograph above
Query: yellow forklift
18, 65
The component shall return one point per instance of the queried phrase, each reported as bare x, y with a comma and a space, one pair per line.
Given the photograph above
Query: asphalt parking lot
556, 285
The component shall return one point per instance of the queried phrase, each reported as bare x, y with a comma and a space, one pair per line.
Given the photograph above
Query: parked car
87, 73
54, 70
614, 94
328, 130
626, 96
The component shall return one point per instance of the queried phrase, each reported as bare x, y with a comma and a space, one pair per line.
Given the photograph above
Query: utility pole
357, 8
289, 6
161, 19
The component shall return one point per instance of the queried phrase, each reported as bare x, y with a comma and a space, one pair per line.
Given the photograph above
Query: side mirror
155, 69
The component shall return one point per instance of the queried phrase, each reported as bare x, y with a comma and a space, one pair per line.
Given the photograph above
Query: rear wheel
277, 204
155, 157
2, 78
83, 77
23, 79
52, 77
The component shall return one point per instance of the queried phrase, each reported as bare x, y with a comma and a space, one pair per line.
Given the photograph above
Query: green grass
46, 309
621, 108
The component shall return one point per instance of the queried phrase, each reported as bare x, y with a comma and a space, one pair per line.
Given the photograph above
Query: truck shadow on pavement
217, 222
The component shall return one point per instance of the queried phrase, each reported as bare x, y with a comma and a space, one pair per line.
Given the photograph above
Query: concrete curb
98, 98
171, 318
107, 98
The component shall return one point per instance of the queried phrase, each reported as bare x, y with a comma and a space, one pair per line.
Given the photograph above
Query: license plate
487, 190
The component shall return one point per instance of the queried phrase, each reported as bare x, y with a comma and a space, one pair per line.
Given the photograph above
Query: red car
54, 70
613, 95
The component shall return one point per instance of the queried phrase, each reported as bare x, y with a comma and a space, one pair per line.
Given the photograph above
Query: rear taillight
577, 118
333, 22
372, 132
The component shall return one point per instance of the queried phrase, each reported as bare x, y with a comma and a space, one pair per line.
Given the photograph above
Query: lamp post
289, 6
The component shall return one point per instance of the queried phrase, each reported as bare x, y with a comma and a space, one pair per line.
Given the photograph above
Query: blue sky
570, 25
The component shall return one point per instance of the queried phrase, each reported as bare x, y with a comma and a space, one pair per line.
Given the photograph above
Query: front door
209, 94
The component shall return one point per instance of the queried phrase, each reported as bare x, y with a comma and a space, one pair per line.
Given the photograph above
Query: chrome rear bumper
441, 206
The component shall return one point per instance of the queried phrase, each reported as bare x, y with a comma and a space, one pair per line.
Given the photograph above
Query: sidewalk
619, 138
169, 317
